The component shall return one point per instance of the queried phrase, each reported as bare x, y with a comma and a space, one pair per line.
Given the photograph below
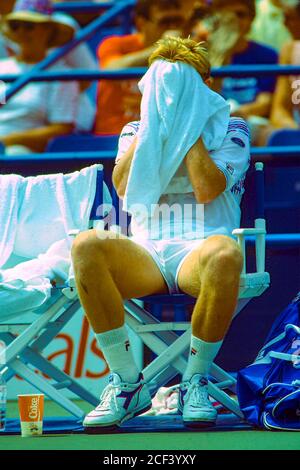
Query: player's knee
224, 256
228, 260
88, 249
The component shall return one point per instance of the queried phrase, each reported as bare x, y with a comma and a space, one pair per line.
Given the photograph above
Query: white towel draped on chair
9, 205
36, 215
177, 108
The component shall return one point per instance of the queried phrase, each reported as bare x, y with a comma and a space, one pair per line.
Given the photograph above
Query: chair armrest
259, 231
248, 231
73, 233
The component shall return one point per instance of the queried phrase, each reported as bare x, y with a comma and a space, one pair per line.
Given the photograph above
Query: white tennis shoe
194, 403
119, 402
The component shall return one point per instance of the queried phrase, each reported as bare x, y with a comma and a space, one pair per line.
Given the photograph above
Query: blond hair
175, 49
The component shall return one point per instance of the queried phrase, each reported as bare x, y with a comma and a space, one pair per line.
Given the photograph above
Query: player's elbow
202, 200
118, 183
203, 197
208, 194
120, 193
120, 190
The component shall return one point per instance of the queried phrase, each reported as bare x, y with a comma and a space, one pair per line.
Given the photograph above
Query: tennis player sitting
180, 172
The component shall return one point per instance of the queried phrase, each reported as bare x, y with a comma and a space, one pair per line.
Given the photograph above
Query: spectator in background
268, 26
250, 97
40, 111
81, 58
119, 101
198, 13
286, 108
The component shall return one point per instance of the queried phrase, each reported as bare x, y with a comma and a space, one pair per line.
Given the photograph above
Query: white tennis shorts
169, 256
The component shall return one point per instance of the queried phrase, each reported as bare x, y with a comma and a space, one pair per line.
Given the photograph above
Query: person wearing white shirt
192, 254
39, 111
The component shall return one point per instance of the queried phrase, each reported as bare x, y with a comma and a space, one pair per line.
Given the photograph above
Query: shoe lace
108, 397
198, 394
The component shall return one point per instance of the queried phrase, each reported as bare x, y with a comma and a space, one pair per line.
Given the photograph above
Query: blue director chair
170, 341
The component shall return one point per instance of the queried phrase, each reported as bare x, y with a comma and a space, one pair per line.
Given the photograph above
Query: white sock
117, 351
201, 357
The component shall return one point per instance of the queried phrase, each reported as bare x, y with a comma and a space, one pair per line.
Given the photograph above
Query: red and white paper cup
31, 410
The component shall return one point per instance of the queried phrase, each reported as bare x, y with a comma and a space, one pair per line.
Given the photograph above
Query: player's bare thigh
132, 268
189, 276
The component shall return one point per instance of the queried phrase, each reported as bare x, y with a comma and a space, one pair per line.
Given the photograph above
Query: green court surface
213, 440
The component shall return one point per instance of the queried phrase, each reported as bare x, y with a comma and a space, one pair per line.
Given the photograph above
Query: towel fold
177, 108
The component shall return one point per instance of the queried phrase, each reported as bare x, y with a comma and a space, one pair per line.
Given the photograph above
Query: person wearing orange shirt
119, 101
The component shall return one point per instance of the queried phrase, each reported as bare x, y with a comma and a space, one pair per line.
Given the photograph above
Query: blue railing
86, 7
38, 75
284, 155
278, 240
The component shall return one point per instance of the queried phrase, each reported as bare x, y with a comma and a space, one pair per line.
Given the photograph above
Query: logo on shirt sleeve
229, 168
238, 141
127, 134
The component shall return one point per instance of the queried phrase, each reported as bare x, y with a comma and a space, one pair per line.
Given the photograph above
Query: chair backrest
98, 200
282, 201
82, 142
252, 205
285, 137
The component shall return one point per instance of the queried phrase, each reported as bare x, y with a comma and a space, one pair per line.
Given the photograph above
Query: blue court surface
144, 433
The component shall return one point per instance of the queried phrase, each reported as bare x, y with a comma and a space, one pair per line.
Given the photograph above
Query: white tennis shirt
178, 214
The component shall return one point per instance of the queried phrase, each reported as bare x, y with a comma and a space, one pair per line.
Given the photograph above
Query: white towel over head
177, 108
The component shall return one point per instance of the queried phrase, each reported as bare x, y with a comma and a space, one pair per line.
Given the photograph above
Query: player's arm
122, 168
207, 180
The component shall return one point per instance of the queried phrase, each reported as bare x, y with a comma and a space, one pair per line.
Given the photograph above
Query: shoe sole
93, 428
199, 424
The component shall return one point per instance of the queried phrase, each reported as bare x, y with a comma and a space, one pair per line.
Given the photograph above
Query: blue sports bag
269, 389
